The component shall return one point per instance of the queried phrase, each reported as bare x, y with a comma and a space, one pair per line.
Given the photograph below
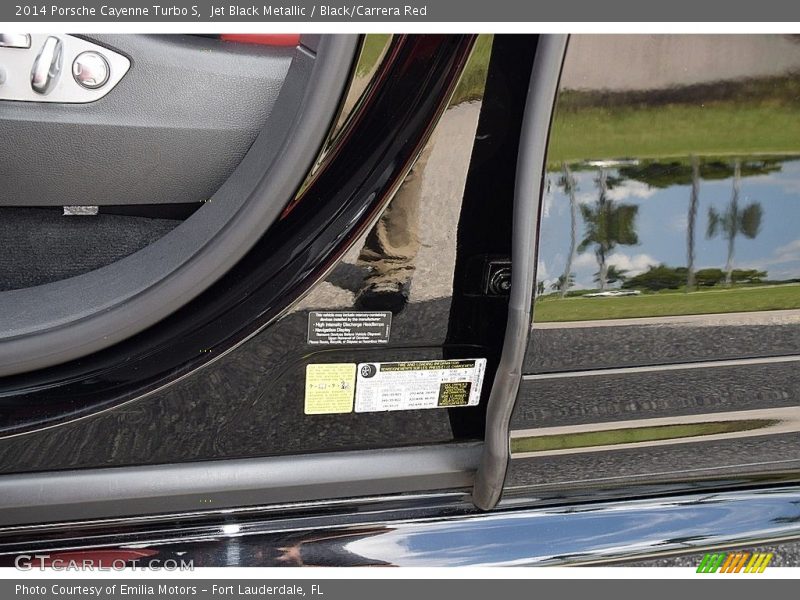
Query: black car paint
328, 216
667, 473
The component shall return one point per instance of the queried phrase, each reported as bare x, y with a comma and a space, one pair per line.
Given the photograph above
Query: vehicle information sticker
340, 328
419, 384
329, 388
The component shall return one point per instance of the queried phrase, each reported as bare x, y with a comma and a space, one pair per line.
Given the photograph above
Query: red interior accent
265, 39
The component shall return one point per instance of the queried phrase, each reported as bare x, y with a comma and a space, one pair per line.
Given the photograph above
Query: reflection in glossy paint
669, 244
575, 535
597, 437
249, 401
668, 182
634, 239
456, 535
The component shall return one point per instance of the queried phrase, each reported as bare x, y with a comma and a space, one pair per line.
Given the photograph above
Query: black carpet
41, 245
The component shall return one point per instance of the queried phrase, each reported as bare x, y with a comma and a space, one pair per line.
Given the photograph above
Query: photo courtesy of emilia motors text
464, 292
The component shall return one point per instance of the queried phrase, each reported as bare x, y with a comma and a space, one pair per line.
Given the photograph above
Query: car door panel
113, 416
691, 379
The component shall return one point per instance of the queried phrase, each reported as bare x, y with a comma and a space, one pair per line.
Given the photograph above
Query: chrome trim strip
15, 40
527, 197
147, 490
588, 533
578, 439
615, 531
710, 364
39, 68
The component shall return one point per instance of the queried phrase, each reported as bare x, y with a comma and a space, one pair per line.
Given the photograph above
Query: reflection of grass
470, 87
720, 128
631, 435
719, 300
371, 52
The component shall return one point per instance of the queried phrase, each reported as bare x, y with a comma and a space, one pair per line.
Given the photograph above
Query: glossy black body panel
730, 425
332, 212
579, 346
484, 231
649, 394
672, 169
680, 467
249, 402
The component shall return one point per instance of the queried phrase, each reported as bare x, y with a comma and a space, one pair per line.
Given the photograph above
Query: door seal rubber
527, 198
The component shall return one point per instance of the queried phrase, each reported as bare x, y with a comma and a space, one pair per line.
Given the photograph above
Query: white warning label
419, 384
338, 328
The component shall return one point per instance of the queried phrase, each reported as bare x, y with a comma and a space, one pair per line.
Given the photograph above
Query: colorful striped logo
735, 562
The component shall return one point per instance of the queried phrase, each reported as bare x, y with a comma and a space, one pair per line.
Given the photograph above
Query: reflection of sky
518, 538
661, 226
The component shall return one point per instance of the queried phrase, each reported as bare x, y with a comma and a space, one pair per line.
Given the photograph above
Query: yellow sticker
330, 388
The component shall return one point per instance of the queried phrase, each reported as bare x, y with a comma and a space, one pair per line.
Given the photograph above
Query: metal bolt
499, 280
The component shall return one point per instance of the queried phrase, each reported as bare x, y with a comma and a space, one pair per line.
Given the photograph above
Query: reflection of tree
608, 225
660, 277
564, 282
676, 172
613, 275
690, 223
662, 175
710, 277
734, 221
567, 181
657, 277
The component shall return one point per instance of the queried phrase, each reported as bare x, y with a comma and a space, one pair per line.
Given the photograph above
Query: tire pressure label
340, 328
419, 384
